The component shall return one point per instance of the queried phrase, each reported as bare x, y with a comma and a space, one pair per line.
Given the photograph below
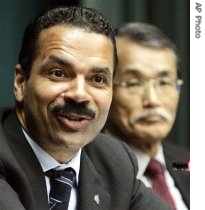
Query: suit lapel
92, 193
181, 178
28, 164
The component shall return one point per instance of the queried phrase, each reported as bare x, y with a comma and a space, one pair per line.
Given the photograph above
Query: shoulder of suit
179, 150
4, 112
105, 140
105, 145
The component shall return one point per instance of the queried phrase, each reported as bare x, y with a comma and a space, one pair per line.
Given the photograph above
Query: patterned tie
155, 172
61, 184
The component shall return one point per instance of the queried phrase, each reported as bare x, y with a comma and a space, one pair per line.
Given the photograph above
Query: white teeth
74, 118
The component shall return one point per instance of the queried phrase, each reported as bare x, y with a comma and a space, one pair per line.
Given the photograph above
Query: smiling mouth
73, 121
75, 117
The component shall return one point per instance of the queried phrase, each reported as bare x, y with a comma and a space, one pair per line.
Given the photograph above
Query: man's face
144, 106
66, 99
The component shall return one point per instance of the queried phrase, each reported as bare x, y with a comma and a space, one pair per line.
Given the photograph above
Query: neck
147, 146
63, 156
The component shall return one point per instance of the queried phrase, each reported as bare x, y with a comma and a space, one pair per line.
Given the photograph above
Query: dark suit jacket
172, 153
108, 169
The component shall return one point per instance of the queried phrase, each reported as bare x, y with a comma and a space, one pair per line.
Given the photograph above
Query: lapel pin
97, 199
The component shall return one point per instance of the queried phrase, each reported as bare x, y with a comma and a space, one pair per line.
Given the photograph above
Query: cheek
122, 111
126, 104
171, 103
101, 104
35, 102
45, 93
103, 101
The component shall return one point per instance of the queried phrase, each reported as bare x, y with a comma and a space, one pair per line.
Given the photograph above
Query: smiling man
68, 92
145, 101
52, 155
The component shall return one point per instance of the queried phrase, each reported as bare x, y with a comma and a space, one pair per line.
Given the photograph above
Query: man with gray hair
145, 100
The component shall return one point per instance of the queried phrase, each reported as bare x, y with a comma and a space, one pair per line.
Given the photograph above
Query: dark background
172, 16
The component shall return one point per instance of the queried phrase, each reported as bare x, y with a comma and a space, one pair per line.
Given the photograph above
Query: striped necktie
61, 184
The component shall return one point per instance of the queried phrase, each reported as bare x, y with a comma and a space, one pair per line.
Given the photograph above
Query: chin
148, 137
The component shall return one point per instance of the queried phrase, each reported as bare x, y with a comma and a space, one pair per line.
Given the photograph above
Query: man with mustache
145, 100
51, 153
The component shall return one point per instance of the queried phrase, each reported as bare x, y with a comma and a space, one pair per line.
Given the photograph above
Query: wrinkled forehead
142, 60
77, 47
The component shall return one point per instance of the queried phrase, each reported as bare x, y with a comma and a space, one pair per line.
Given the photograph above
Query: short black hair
151, 36
89, 19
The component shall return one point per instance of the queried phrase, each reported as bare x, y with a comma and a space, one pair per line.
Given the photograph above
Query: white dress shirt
143, 160
48, 162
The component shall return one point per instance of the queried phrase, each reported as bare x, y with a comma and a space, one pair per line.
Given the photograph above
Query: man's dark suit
172, 153
107, 172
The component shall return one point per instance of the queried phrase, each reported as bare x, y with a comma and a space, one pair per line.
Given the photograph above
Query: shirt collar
48, 162
143, 160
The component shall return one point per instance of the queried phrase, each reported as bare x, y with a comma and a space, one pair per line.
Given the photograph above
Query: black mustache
73, 107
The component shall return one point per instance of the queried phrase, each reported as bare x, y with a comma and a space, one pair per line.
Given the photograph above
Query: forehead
76, 43
144, 59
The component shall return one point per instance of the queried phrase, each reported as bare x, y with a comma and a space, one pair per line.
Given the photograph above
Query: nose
77, 90
150, 97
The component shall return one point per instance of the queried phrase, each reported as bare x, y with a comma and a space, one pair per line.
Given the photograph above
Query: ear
19, 83
179, 84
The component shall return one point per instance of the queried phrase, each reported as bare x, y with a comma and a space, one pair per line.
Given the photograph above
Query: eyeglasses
162, 85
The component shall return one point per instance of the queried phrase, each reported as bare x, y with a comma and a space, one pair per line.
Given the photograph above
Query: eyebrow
138, 73
59, 60
64, 62
105, 70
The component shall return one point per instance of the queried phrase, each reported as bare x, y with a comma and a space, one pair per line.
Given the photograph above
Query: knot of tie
154, 169
61, 184
68, 172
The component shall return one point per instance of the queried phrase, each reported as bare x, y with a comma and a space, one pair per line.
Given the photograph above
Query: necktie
61, 184
155, 172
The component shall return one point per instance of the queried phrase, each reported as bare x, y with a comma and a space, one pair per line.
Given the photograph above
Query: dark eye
57, 73
163, 82
133, 84
99, 79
